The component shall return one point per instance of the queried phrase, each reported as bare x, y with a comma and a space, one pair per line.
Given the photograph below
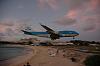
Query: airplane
49, 33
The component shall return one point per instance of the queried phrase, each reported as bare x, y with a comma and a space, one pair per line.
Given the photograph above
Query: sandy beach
40, 56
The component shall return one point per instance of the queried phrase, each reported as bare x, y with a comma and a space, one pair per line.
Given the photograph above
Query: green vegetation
84, 43
92, 61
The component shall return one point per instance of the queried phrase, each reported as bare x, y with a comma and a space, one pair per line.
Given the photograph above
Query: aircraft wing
53, 34
47, 28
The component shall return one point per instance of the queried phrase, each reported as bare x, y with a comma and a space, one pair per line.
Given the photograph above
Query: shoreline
24, 57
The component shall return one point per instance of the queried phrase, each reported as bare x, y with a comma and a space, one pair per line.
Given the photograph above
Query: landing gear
73, 37
54, 36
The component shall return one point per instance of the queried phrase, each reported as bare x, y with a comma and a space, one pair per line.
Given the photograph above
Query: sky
82, 16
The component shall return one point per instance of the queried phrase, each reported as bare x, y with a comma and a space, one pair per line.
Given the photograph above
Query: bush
92, 60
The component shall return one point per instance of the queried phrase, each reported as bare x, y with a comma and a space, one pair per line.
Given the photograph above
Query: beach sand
40, 57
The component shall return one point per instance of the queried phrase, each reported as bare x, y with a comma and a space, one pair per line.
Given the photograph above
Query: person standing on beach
57, 51
28, 64
73, 59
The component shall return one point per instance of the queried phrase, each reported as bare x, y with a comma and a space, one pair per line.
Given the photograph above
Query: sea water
10, 52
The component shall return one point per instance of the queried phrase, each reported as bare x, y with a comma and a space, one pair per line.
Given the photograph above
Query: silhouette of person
57, 51
28, 64
64, 55
73, 59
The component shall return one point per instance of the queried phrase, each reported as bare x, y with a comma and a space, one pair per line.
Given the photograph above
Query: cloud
7, 22
8, 25
89, 23
66, 21
1, 34
86, 14
11, 27
94, 4
50, 3
89, 26
72, 14
74, 4
56, 4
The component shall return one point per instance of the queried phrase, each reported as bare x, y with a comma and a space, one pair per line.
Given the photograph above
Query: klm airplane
51, 33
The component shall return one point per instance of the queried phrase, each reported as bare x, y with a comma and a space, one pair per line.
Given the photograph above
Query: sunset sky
82, 16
